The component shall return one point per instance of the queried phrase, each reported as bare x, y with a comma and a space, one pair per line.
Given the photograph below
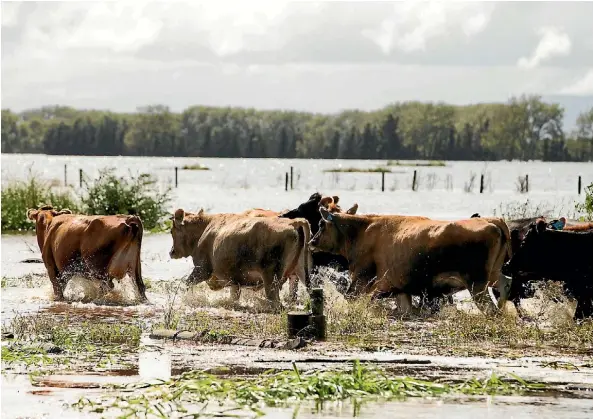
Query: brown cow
241, 251
417, 255
106, 247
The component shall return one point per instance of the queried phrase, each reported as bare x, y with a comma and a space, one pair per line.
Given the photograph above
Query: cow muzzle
173, 254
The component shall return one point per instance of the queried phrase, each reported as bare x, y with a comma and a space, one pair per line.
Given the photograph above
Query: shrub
19, 196
110, 195
587, 206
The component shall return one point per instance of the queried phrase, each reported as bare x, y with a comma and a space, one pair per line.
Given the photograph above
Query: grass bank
194, 167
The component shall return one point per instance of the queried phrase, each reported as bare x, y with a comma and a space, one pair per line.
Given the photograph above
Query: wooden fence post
579, 185
80, 177
291, 177
286, 181
65, 175
526, 183
414, 182
482, 183
382, 181
176, 178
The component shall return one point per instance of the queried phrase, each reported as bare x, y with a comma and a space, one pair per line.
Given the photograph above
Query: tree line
524, 128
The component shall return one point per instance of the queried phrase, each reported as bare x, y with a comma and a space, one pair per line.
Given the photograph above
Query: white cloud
413, 24
553, 42
581, 87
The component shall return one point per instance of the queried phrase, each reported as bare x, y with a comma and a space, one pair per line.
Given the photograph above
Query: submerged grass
189, 393
432, 163
359, 170
194, 167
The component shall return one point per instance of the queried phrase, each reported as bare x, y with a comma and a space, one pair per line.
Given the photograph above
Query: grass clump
432, 163
586, 207
190, 392
110, 195
195, 167
19, 196
359, 170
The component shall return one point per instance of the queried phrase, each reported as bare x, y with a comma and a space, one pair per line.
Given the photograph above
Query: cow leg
479, 292
272, 283
54, 274
139, 282
404, 303
235, 292
584, 306
293, 287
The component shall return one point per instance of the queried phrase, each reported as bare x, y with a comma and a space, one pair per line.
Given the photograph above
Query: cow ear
326, 215
178, 216
32, 214
201, 212
336, 199
352, 210
541, 226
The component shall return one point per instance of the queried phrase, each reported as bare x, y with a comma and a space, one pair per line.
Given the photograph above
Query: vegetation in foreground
524, 128
434, 163
586, 207
107, 195
195, 167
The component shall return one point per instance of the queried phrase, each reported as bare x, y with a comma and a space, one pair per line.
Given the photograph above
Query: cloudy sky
322, 56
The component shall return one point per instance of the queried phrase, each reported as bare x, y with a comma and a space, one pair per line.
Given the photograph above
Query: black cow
565, 256
310, 211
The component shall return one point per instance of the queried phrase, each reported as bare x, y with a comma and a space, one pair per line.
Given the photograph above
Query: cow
106, 246
309, 210
518, 228
413, 255
242, 251
564, 256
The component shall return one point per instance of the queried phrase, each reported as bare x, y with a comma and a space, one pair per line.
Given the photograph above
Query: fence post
65, 175
80, 177
382, 181
290, 177
286, 181
414, 181
526, 183
579, 185
482, 183
176, 182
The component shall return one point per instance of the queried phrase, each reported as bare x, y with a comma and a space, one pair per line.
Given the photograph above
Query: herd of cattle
384, 255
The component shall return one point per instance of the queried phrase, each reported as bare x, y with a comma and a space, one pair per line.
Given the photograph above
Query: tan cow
105, 247
309, 211
242, 251
417, 255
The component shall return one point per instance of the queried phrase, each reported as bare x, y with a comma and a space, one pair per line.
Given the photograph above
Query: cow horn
32, 214
336, 199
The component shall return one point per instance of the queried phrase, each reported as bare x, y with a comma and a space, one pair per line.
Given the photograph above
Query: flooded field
104, 358
259, 183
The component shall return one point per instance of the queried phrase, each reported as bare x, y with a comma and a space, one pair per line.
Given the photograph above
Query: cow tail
136, 228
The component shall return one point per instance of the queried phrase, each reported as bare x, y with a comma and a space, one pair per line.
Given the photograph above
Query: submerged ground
98, 357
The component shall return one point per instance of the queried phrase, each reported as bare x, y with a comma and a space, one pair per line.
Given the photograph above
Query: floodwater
238, 184
233, 185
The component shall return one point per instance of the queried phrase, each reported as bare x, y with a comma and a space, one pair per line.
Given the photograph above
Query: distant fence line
522, 184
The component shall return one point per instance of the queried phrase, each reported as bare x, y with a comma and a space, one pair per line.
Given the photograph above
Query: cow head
527, 252
332, 232
310, 209
185, 232
45, 214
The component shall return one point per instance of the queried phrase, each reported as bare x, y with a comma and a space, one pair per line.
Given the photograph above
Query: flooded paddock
94, 356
